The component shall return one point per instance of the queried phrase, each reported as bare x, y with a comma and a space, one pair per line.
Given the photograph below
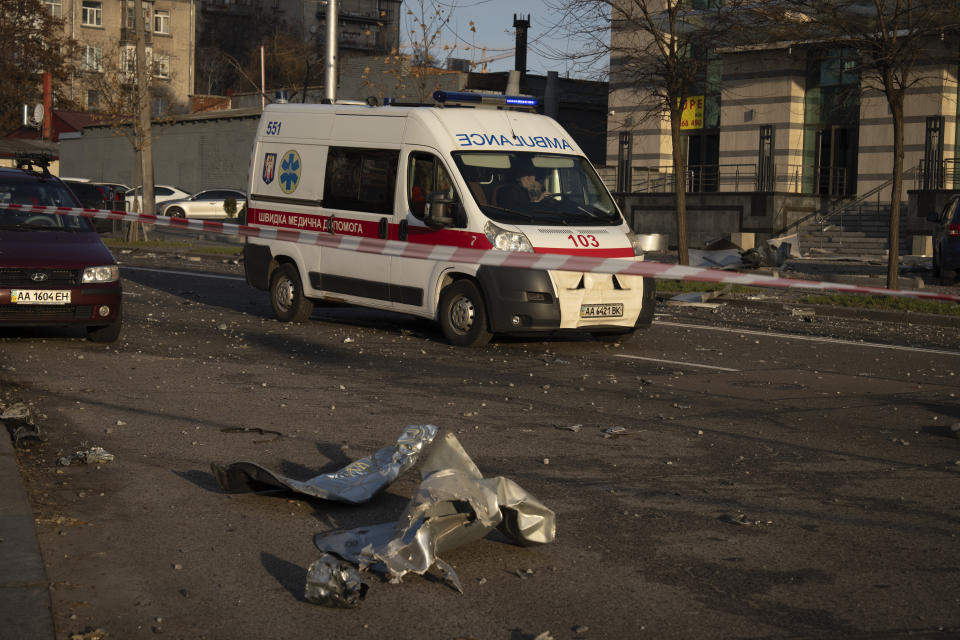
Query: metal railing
944, 174
837, 213
733, 178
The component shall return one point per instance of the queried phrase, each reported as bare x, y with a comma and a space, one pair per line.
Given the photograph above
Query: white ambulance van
485, 178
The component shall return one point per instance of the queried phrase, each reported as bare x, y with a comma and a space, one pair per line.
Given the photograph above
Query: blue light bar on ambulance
465, 97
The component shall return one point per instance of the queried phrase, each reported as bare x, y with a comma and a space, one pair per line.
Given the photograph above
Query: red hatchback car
54, 269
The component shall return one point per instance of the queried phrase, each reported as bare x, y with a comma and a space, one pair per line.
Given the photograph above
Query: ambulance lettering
269, 217
494, 140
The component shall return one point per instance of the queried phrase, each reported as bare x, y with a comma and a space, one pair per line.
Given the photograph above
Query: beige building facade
106, 34
795, 118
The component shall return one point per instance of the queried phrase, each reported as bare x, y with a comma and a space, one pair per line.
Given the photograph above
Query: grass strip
885, 303
688, 286
116, 243
855, 301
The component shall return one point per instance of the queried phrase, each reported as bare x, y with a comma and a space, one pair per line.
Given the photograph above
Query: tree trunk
143, 92
680, 186
896, 189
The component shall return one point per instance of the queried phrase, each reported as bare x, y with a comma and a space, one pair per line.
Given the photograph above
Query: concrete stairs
858, 232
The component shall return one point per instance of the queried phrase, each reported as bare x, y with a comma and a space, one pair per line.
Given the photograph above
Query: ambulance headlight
108, 273
636, 244
504, 240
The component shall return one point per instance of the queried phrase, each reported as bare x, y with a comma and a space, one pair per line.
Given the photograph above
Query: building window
92, 59
92, 13
161, 22
92, 100
159, 107
146, 17
766, 181
161, 67
831, 122
55, 7
128, 61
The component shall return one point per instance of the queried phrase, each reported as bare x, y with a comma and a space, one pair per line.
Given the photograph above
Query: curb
25, 608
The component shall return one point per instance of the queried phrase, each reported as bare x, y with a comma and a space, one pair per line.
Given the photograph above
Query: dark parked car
54, 269
94, 195
91, 194
946, 241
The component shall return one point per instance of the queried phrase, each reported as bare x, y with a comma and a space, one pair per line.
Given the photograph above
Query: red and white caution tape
552, 261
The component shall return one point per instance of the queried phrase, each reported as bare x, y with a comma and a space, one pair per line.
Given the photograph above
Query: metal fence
734, 178
943, 174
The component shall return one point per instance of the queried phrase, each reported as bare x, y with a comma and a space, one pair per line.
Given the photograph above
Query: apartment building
106, 33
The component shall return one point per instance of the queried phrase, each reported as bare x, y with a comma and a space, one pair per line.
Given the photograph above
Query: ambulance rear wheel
463, 315
286, 295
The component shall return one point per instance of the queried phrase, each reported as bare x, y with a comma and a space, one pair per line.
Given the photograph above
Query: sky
493, 20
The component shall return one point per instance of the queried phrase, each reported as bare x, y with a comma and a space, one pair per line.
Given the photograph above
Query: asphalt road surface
777, 477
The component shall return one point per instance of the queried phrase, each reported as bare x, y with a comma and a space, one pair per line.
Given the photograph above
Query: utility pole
331, 69
143, 118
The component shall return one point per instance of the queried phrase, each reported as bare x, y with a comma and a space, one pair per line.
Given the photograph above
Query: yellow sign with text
692, 115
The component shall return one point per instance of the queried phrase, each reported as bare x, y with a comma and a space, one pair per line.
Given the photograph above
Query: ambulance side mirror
440, 212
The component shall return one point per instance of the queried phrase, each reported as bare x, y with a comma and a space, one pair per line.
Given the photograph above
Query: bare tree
894, 39
213, 71
428, 22
33, 43
127, 94
224, 48
292, 61
416, 71
661, 50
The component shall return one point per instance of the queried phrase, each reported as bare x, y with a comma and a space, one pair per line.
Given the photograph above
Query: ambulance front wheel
463, 315
286, 295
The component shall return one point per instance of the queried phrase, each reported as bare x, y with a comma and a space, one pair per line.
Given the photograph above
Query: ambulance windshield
541, 188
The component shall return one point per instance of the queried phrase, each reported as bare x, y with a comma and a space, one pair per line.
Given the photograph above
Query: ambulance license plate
601, 310
39, 296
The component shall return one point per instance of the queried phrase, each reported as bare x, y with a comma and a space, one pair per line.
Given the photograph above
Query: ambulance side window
360, 179
426, 176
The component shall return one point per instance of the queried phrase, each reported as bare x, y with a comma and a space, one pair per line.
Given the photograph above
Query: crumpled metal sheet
454, 505
355, 483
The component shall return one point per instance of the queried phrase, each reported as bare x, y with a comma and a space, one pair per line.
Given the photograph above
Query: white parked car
161, 193
208, 203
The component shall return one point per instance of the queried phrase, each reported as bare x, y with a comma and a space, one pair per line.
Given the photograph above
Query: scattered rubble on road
93, 455
18, 419
743, 520
334, 583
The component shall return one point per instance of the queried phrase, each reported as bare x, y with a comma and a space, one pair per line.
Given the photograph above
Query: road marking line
184, 273
850, 343
678, 363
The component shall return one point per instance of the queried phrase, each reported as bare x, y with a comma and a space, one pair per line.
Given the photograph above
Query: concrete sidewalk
25, 612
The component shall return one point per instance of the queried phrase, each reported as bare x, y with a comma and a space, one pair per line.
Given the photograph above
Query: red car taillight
953, 230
